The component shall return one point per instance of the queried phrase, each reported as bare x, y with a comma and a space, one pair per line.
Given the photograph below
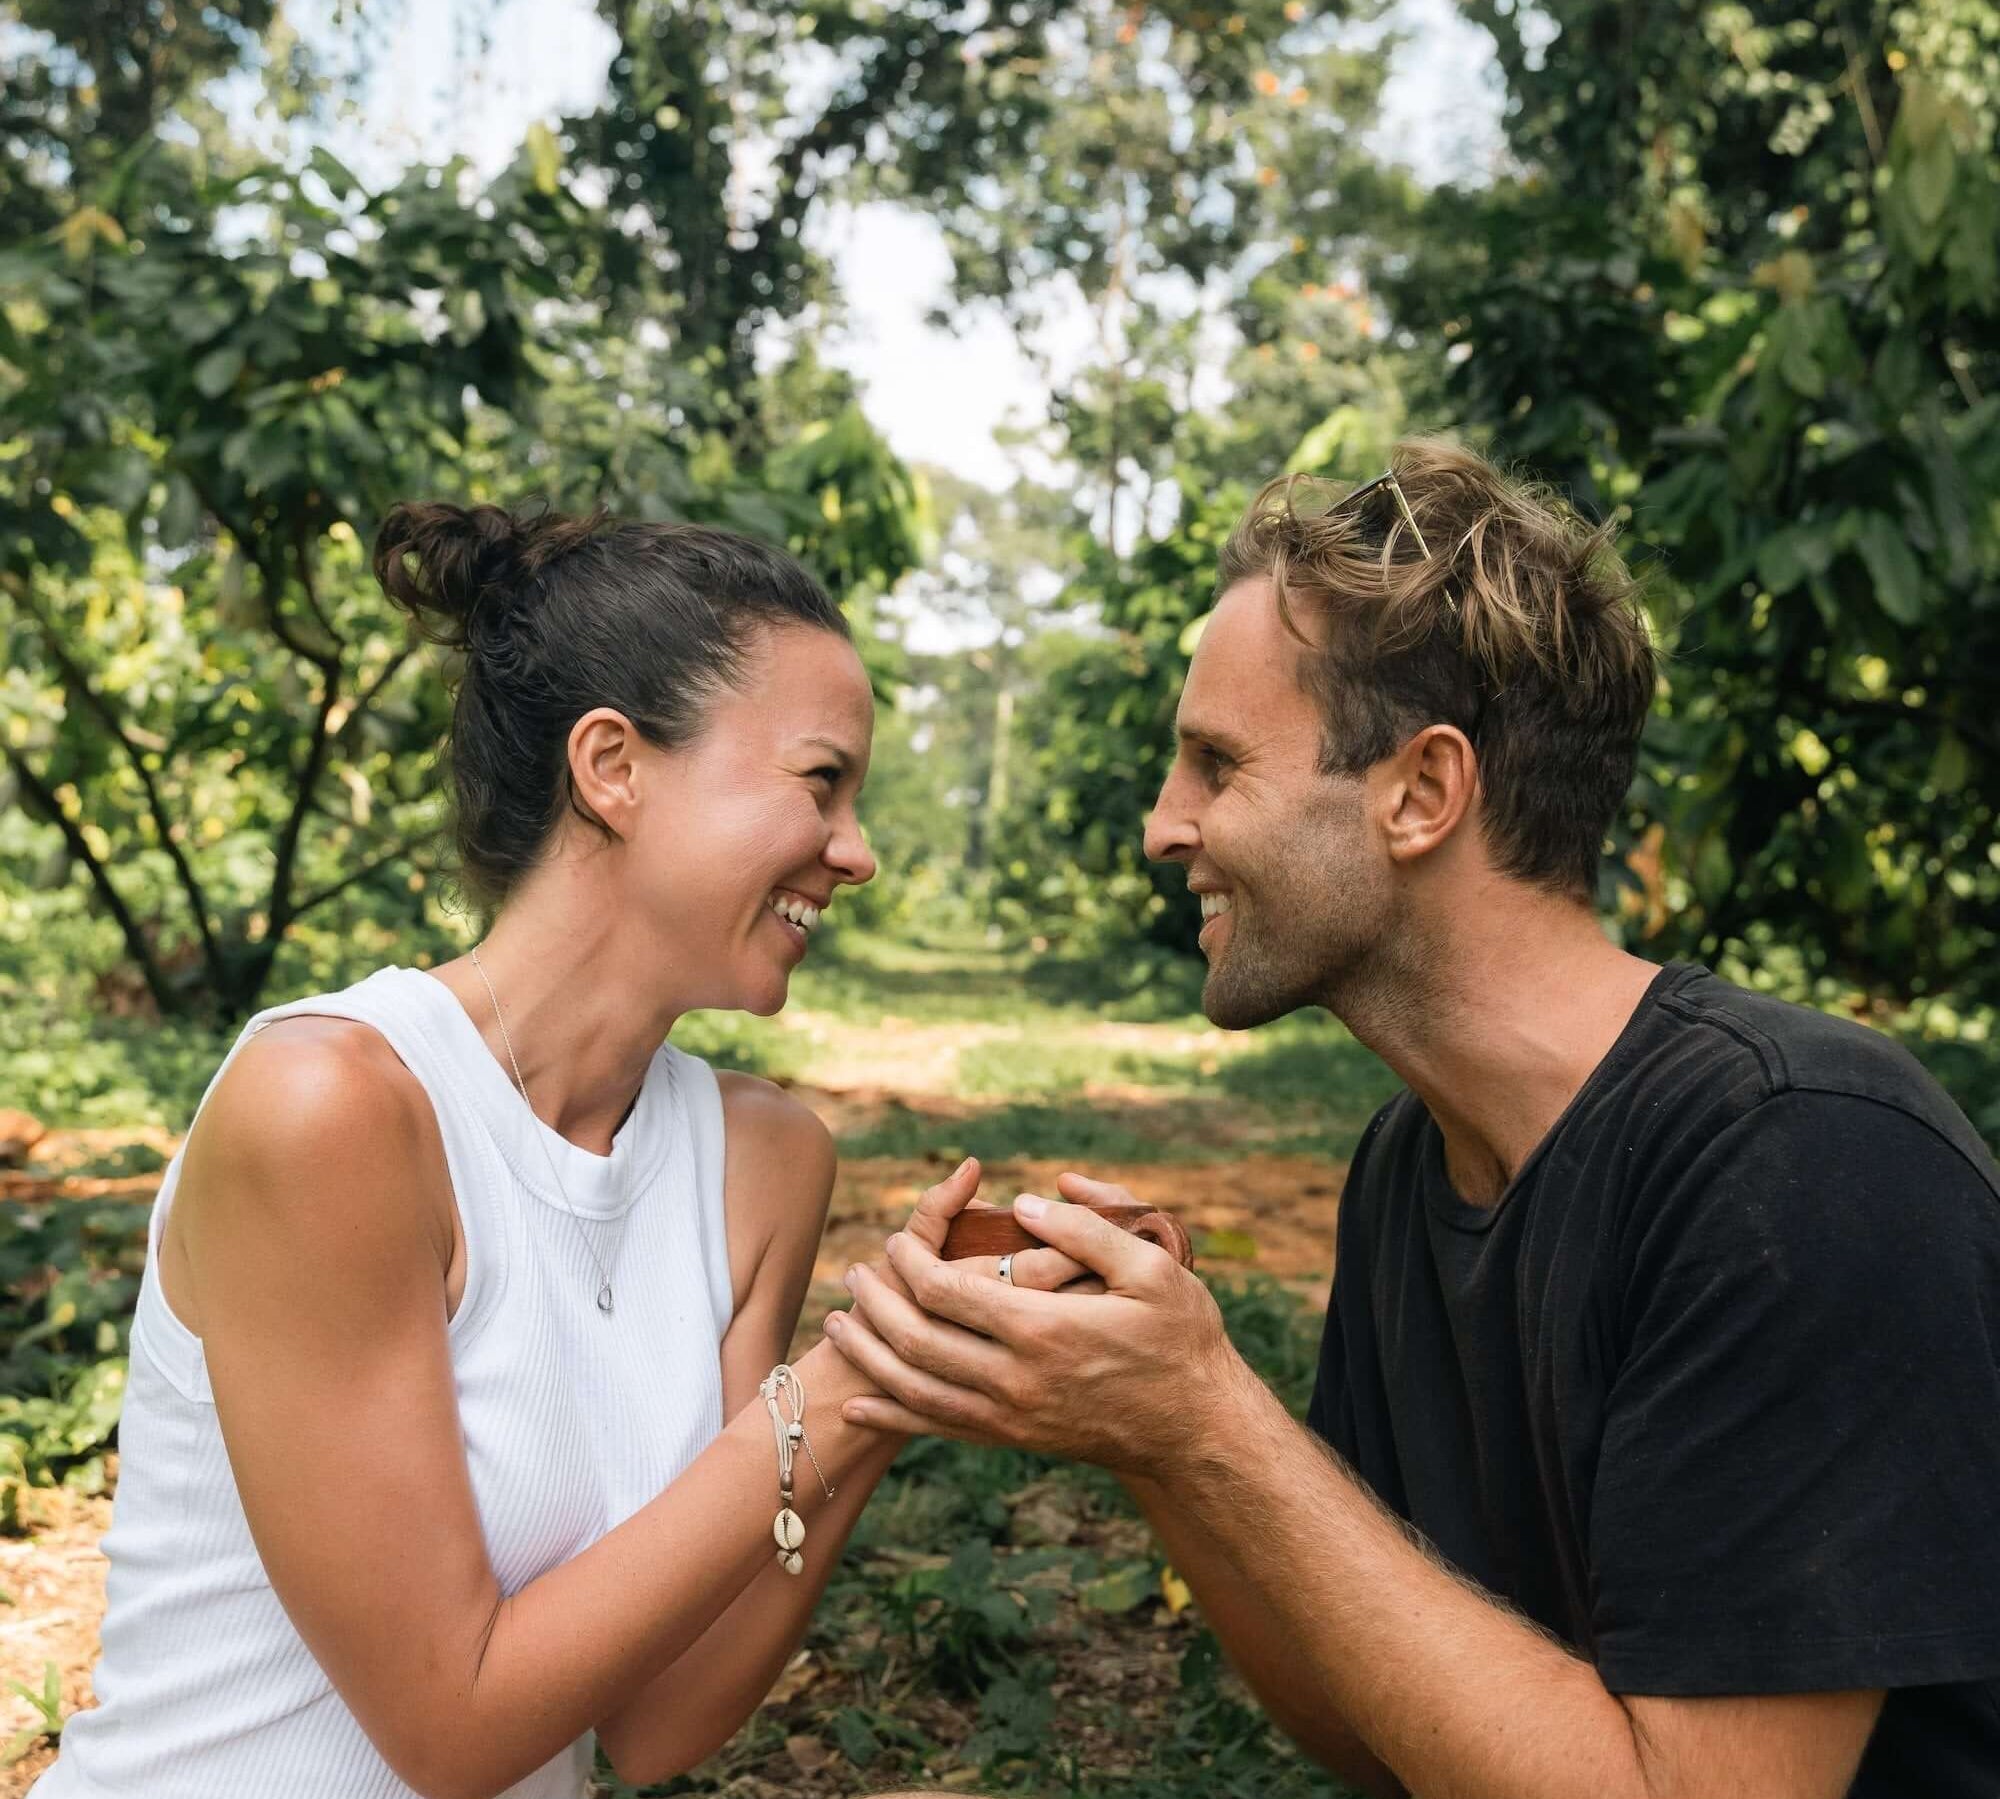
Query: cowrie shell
789, 1529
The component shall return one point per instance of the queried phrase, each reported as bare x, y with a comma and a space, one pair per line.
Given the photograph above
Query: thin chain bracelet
788, 1527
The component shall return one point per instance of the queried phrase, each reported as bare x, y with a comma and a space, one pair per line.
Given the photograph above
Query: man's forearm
1257, 1642
1456, 1695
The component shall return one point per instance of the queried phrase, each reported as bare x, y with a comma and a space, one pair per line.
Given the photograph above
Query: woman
444, 1446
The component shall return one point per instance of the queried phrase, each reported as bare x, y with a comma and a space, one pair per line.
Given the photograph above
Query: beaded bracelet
788, 1527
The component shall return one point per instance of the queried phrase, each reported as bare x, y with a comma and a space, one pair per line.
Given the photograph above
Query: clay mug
988, 1230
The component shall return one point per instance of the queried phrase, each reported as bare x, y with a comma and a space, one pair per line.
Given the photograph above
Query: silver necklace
500, 1018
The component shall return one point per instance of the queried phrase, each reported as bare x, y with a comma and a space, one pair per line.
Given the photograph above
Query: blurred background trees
1730, 273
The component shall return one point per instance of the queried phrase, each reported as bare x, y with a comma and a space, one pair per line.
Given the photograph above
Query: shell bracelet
788, 1528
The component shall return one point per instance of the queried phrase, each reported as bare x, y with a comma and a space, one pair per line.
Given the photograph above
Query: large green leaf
1897, 578
216, 372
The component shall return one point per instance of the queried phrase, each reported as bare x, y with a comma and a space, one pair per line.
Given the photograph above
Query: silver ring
1007, 1269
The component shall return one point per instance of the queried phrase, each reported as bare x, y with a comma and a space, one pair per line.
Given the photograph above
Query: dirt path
55, 1581
1251, 1213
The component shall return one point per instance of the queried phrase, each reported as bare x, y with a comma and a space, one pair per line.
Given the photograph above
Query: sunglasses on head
1402, 505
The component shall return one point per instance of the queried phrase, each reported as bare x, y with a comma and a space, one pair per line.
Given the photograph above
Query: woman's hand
1044, 1270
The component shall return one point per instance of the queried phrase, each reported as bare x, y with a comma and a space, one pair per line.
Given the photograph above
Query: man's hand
1112, 1378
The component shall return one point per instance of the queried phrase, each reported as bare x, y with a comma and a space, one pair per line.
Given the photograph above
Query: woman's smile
795, 914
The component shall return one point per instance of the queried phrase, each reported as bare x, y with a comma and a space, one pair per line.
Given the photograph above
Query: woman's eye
829, 774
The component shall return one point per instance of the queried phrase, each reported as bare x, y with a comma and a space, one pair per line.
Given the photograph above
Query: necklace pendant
604, 1298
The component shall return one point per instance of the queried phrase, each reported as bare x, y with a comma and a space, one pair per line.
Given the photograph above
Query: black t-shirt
1713, 1392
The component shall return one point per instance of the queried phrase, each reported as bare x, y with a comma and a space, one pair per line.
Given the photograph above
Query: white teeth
1213, 905
790, 907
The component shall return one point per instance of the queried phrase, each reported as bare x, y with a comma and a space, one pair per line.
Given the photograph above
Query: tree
218, 371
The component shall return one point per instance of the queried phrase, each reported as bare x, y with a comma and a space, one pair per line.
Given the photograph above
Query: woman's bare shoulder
313, 1107
766, 1120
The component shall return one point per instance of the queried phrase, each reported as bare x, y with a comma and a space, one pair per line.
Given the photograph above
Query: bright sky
439, 86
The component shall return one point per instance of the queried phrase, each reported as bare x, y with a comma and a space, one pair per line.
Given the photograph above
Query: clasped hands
1102, 1349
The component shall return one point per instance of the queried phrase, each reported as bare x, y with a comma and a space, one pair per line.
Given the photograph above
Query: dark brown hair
1521, 627
556, 616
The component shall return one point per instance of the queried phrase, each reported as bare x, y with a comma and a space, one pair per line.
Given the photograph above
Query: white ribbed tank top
572, 1420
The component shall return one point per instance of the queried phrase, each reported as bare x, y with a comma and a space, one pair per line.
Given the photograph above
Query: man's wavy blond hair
1521, 627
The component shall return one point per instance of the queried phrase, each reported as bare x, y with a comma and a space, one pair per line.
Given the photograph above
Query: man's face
1295, 886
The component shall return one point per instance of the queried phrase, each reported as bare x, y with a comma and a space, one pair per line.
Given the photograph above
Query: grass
1052, 1058
1079, 1132
969, 981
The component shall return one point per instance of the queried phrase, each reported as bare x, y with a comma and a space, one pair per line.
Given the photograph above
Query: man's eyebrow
1194, 731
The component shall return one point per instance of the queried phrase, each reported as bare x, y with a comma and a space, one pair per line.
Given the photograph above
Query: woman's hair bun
448, 566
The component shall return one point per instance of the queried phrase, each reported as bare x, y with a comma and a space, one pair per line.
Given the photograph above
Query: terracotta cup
986, 1230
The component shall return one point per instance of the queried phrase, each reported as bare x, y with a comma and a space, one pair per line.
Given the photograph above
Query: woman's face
749, 831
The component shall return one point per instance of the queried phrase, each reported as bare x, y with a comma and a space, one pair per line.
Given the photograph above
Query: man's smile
1215, 907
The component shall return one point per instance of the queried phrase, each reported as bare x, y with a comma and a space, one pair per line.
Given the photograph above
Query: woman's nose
850, 857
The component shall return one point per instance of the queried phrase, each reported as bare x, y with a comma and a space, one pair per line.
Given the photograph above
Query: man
1656, 1443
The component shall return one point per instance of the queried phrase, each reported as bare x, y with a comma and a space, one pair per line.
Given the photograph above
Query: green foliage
1090, 1134
49, 1715
218, 370
69, 1276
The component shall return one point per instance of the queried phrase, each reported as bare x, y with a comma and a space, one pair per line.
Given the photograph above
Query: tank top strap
402, 1006
390, 1007
702, 1099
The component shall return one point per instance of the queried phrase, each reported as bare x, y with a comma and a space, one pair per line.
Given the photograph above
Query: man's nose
1170, 832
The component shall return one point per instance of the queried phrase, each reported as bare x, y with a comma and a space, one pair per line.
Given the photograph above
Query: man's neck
1499, 1027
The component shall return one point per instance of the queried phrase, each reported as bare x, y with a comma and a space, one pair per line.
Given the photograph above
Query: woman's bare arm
311, 1223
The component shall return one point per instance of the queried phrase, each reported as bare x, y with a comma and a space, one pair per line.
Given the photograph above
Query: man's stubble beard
1323, 927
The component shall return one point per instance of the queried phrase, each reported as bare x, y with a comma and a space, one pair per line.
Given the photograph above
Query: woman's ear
604, 756
1433, 784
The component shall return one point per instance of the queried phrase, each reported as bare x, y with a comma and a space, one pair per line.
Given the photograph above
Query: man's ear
1431, 787
604, 753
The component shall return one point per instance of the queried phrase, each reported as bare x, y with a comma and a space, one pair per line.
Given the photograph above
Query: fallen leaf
1119, 1591
809, 1755
800, 1672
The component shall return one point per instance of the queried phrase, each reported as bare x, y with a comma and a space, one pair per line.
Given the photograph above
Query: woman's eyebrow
832, 748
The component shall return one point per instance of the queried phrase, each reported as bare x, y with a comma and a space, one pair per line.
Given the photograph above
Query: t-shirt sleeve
1800, 1464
